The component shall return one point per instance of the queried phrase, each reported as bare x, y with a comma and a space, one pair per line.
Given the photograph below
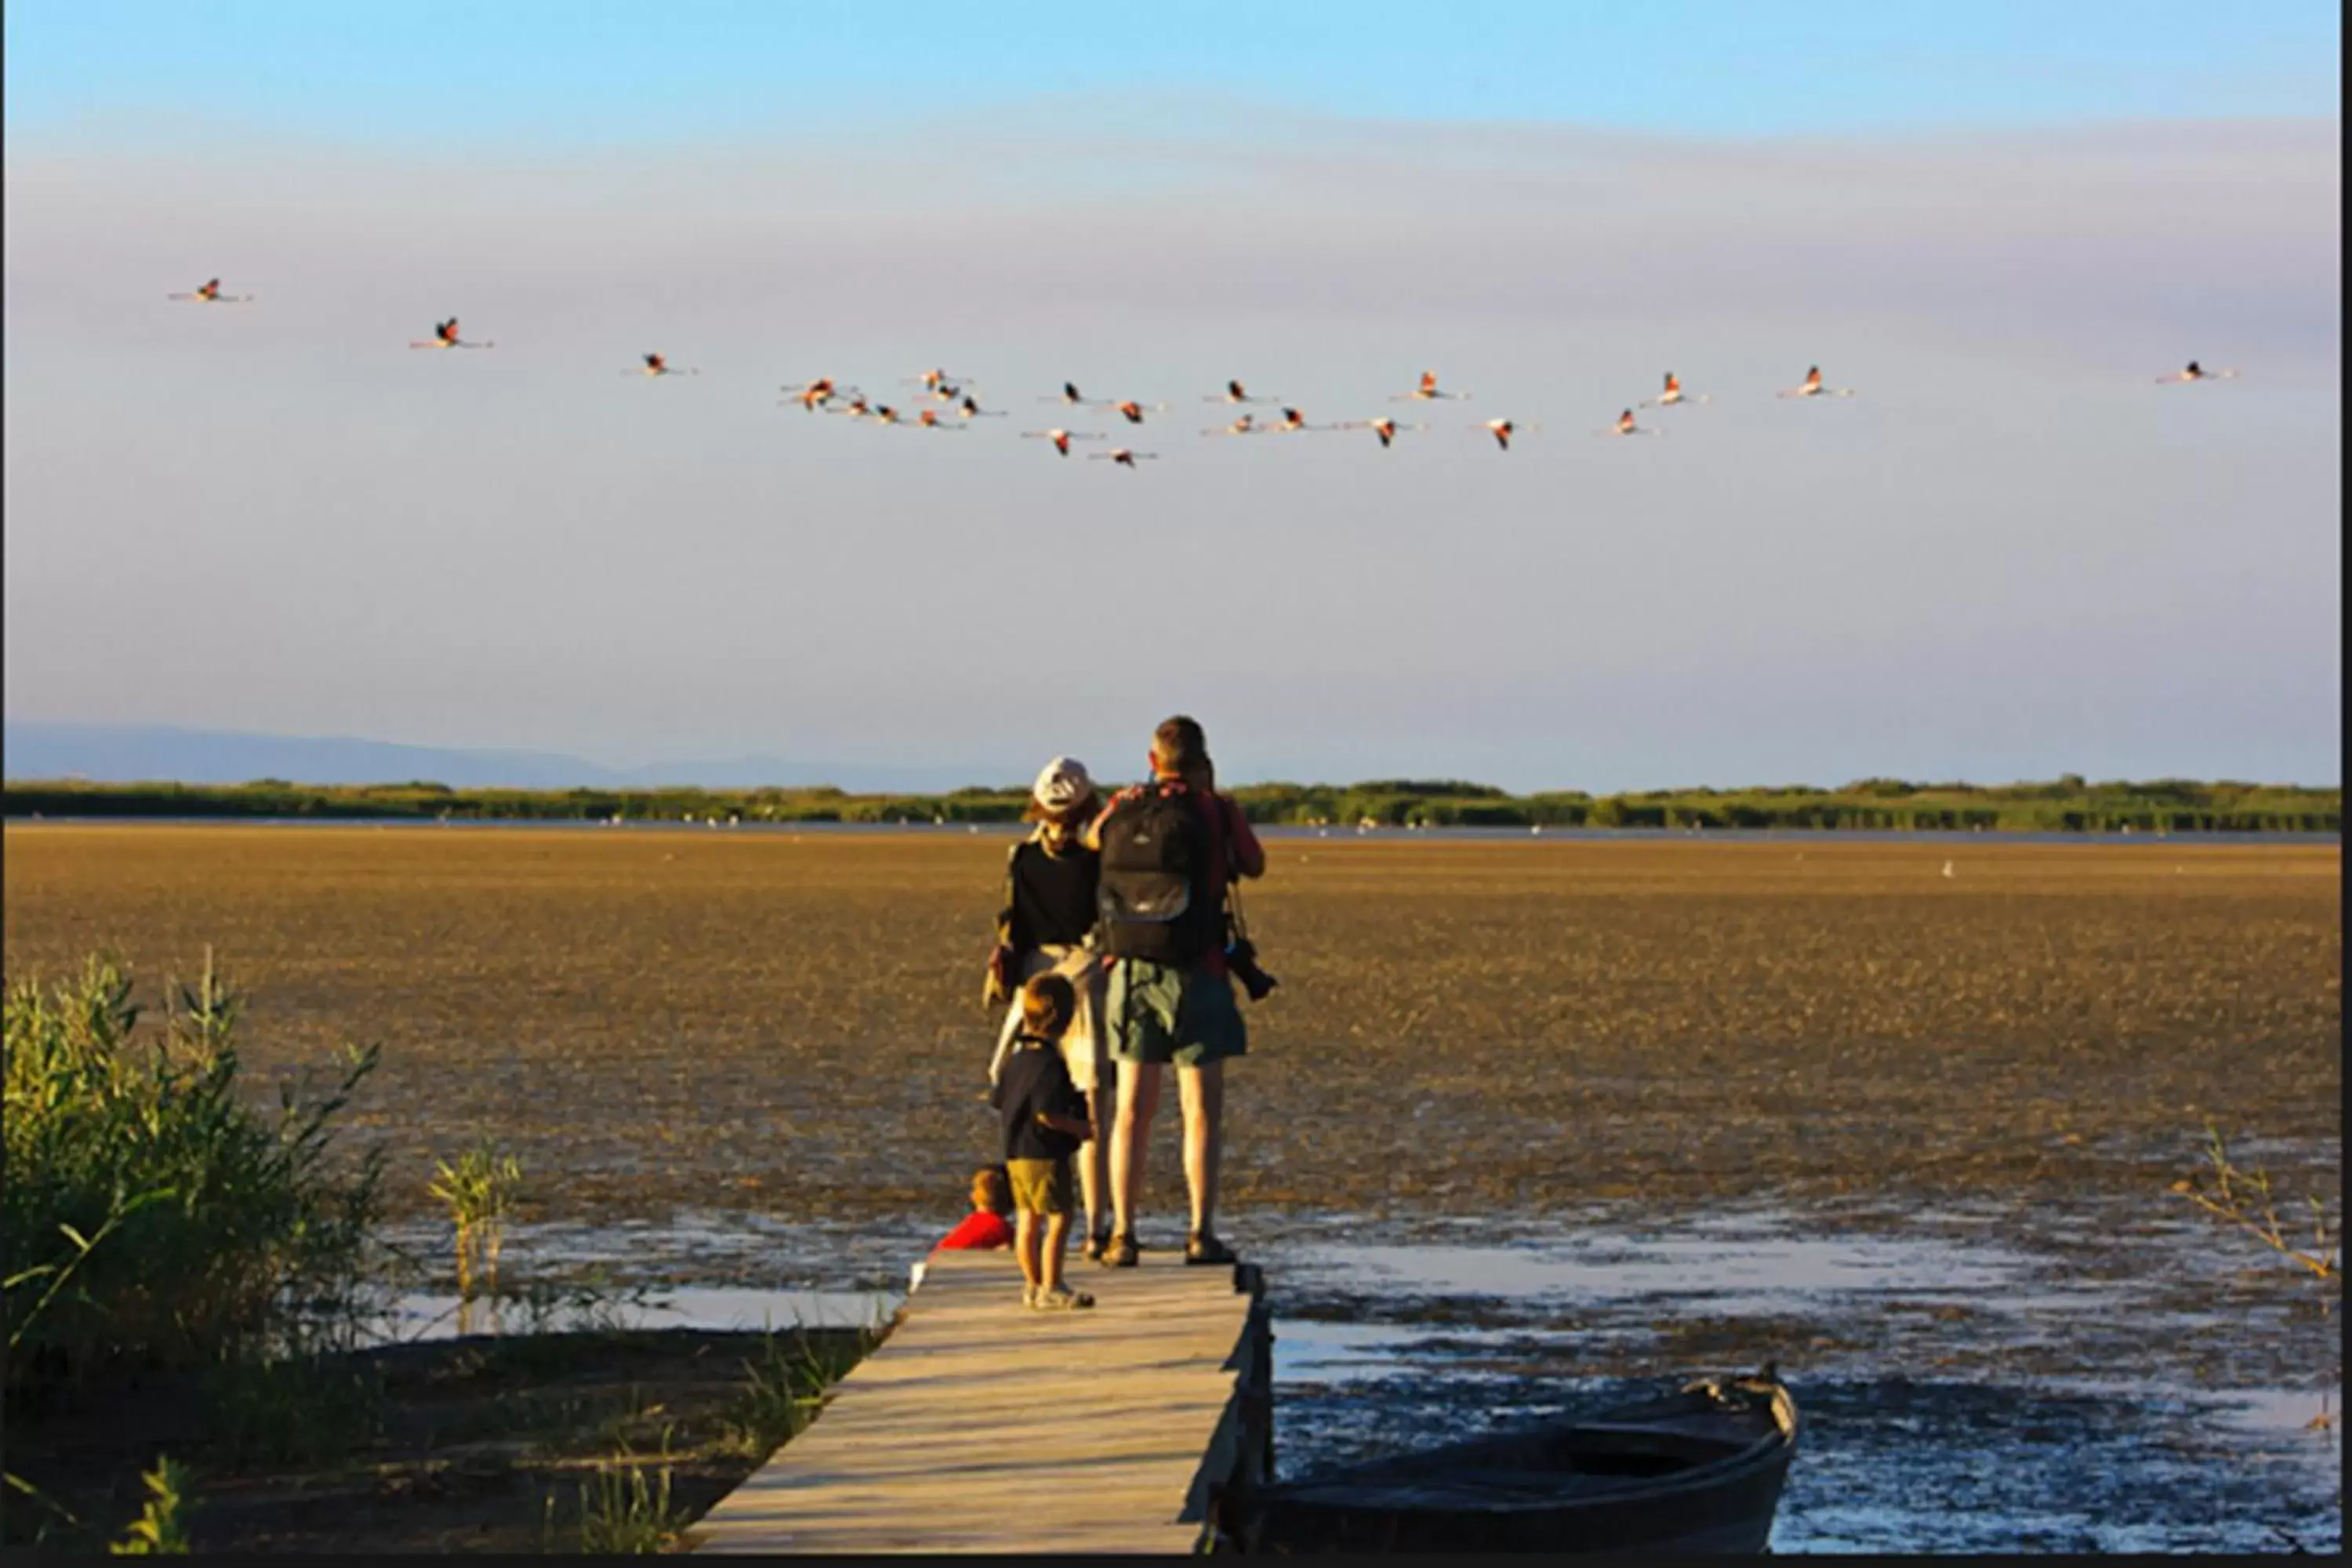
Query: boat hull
1697, 1472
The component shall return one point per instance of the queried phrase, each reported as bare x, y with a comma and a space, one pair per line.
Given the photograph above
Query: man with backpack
1170, 849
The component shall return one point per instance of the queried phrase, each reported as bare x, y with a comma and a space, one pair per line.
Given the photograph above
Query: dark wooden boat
1698, 1470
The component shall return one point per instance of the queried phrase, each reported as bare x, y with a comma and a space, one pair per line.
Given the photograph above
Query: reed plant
2246, 1199
785, 1385
158, 1532
152, 1214
479, 1191
627, 1510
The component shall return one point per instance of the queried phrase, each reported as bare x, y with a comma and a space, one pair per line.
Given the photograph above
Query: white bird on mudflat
1811, 388
1675, 394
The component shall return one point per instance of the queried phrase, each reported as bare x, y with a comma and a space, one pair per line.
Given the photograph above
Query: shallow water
1970, 1380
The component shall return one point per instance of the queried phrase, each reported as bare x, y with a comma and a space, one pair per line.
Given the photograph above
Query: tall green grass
154, 1215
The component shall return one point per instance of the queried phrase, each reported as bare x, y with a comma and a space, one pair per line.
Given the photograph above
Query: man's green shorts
1160, 1013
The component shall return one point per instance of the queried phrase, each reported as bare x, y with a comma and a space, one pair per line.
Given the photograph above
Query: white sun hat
1062, 786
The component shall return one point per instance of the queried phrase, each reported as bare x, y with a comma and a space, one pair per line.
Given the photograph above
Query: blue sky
571, 71
2012, 555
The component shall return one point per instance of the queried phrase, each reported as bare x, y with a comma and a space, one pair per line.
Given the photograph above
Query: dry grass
790, 1023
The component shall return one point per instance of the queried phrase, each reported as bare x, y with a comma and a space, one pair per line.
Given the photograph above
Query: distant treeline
2067, 804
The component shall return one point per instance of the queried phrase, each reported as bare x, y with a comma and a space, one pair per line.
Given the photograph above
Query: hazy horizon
2011, 556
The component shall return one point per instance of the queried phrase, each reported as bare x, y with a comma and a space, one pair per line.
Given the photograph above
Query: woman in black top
1047, 922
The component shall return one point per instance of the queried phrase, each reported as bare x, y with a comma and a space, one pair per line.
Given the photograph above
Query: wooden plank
981, 1425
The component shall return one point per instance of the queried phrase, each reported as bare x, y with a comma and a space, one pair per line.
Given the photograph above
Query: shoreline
2212, 837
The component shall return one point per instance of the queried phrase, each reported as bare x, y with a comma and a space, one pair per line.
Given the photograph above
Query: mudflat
790, 1023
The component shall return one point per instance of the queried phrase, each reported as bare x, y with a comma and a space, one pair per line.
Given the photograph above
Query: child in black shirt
1044, 1123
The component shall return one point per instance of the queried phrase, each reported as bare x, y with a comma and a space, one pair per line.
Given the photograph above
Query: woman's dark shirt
1053, 895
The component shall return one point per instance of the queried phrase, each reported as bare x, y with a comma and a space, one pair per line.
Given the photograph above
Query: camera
1241, 959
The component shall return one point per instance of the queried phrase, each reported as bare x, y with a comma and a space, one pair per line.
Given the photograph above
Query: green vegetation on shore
2067, 804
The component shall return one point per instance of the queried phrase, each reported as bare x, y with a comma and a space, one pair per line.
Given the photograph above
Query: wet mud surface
1525, 1126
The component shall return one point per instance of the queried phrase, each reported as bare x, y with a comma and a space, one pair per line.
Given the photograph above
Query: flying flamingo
1673, 395
1504, 430
1061, 438
1427, 391
970, 409
1132, 411
1123, 457
656, 365
1245, 426
1625, 426
445, 336
1235, 392
1071, 395
932, 380
930, 420
2195, 372
210, 294
815, 393
1813, 387
856, 409
1293, 420
1386, 429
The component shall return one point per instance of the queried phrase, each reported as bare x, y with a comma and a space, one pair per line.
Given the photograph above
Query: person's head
1179, 749
1046, 1003
1063, 794
992, 1190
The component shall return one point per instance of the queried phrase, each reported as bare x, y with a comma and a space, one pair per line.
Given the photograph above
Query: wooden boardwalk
979, 1425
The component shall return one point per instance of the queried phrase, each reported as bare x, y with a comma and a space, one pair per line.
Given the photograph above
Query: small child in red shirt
984, 1227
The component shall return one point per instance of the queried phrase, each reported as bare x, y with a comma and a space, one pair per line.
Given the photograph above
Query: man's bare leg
1202, 1092
1139, 1097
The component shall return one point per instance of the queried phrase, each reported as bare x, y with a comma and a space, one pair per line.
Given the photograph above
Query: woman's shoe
1095, 1243
1060, 1298
1202, 1246
1118, 1252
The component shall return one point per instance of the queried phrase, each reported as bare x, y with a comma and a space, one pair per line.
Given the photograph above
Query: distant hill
126, 753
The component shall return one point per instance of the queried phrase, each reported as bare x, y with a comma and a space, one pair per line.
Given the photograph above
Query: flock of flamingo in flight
823, 394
